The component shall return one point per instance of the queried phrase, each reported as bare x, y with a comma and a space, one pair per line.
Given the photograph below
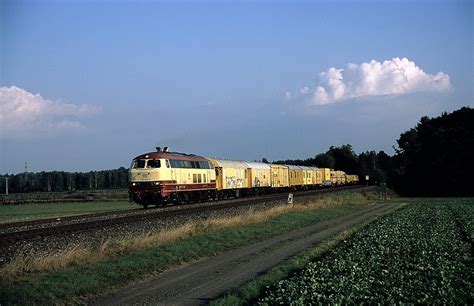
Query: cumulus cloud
392, 77
23, 112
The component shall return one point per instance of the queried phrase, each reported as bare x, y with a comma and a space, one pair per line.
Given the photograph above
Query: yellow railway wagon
279, 176
308, 175
352, 179
259, 175
340, 177
326, 176
317, 176
295, 176
333, 178
230, 174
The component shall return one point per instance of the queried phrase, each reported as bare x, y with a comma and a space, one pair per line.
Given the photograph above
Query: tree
435, 157
324, 160
345, 158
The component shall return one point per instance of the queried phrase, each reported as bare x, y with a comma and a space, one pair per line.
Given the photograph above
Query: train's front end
148, 176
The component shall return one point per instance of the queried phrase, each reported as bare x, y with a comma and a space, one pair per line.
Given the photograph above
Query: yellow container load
230, 174
326, 176
259, 174
279, 176
318, 176
333, 178
308, 175
340, 177
295, 176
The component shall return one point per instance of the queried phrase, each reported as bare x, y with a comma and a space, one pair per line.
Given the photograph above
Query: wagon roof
309, 168
229, 163
257, 165
293, 167
278, 166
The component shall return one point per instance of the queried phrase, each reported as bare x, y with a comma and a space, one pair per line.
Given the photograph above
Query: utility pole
25, 177
6, 185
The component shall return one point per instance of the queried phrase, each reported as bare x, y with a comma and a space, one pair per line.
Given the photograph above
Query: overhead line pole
6, 185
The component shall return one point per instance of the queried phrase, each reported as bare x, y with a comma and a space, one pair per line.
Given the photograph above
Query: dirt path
200, 282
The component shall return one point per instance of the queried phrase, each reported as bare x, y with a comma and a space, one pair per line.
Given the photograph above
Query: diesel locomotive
163, 177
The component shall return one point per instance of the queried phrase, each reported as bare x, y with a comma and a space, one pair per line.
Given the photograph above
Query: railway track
122, 218
67, 218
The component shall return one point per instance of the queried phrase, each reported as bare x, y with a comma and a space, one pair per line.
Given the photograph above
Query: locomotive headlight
134, 184
157, 183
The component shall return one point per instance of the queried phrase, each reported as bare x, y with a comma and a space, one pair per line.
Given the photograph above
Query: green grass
69, 284
12, 213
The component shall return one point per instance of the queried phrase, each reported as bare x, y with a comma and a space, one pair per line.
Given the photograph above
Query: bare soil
200, 282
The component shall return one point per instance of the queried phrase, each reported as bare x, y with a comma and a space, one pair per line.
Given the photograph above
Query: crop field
12, 213
420, 254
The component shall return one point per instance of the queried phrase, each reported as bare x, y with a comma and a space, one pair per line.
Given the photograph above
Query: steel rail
65, 218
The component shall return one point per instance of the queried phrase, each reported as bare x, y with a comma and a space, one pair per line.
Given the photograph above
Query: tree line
435, 158
65, 181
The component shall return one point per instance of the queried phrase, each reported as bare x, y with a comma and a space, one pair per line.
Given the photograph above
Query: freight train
164, 177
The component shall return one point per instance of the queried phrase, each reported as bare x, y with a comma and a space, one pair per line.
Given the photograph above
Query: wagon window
153, 163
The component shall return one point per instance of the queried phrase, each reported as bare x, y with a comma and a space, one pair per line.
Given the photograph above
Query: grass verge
82, 272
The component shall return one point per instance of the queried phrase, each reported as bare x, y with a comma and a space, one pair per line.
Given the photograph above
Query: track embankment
200, 282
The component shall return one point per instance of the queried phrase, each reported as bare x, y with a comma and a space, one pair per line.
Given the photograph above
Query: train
163, 177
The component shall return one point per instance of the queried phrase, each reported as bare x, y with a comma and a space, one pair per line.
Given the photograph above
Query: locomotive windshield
153, 163
138, 163
146, 163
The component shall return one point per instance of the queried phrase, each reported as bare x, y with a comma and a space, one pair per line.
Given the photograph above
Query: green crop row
420, 254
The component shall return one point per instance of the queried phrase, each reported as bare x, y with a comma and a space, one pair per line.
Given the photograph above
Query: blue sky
90, 84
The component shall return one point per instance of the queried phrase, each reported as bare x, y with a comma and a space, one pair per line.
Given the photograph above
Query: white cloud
22, 112
392, 77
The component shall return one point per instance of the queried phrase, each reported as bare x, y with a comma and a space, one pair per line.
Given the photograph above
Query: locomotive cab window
153, 163
138, 163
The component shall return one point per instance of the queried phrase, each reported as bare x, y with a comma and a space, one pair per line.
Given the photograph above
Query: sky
89, 85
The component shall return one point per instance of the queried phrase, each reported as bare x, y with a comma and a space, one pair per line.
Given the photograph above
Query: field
420, 254
12, 213
95, 195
